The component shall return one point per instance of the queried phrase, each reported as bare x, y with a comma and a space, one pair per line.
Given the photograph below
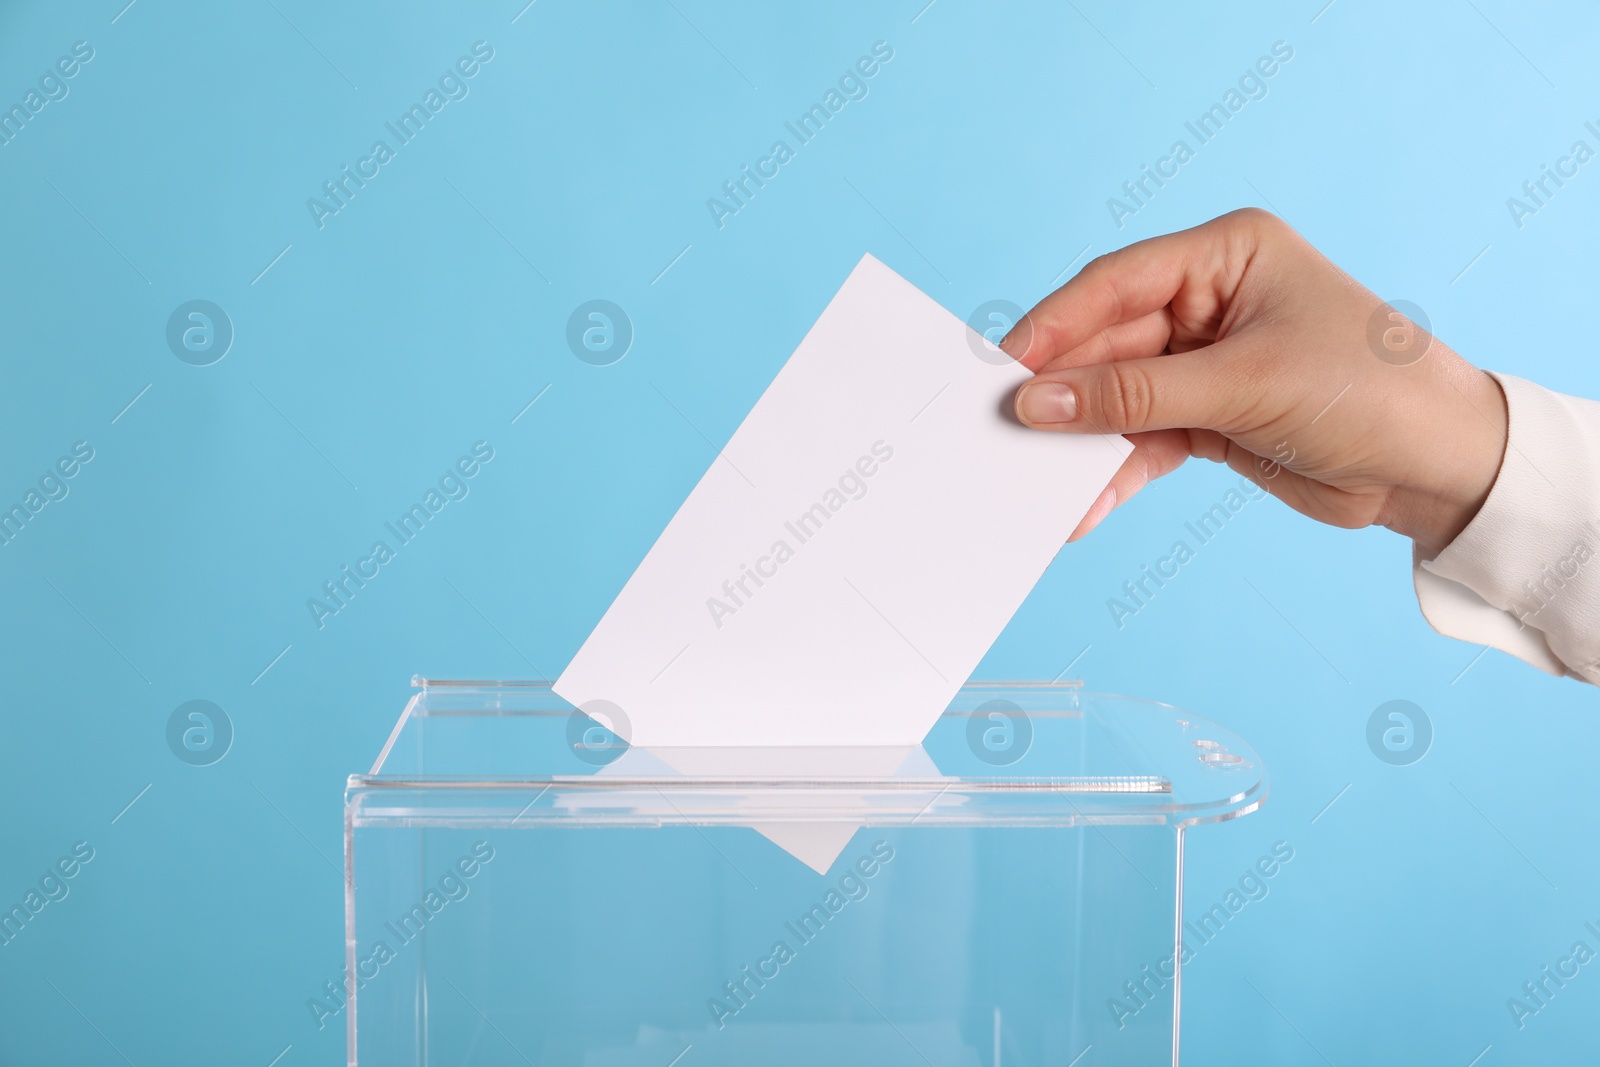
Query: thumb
1191, 390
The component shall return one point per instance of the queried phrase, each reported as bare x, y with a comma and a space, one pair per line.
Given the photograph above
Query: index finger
1130, 283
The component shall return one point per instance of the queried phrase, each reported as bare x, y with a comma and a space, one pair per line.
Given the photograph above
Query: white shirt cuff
1524, 576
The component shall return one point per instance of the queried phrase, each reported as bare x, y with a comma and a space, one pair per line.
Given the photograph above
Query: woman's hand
1238, 342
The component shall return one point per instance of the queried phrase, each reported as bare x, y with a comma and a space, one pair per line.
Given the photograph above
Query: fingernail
1044, 403
1016, 343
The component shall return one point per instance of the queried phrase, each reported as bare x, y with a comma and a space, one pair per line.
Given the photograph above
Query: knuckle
1100, 348
1251, 228
1100, 265
1100, 276
1110, 295
1039, 331
1255, 218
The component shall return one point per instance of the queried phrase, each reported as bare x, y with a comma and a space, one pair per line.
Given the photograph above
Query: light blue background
375, 351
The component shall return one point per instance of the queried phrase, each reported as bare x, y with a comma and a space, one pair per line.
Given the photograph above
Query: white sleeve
1524, 576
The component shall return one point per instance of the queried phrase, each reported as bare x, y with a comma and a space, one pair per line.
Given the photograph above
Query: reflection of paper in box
853, 551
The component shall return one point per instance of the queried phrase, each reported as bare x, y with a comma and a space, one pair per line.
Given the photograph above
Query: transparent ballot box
524, 888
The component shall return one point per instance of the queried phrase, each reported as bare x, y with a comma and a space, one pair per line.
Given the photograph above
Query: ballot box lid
1003, 753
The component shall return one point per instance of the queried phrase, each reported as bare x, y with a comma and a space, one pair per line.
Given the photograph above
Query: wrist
1466, 463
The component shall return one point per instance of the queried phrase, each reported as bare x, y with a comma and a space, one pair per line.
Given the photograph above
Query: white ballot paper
854, 549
